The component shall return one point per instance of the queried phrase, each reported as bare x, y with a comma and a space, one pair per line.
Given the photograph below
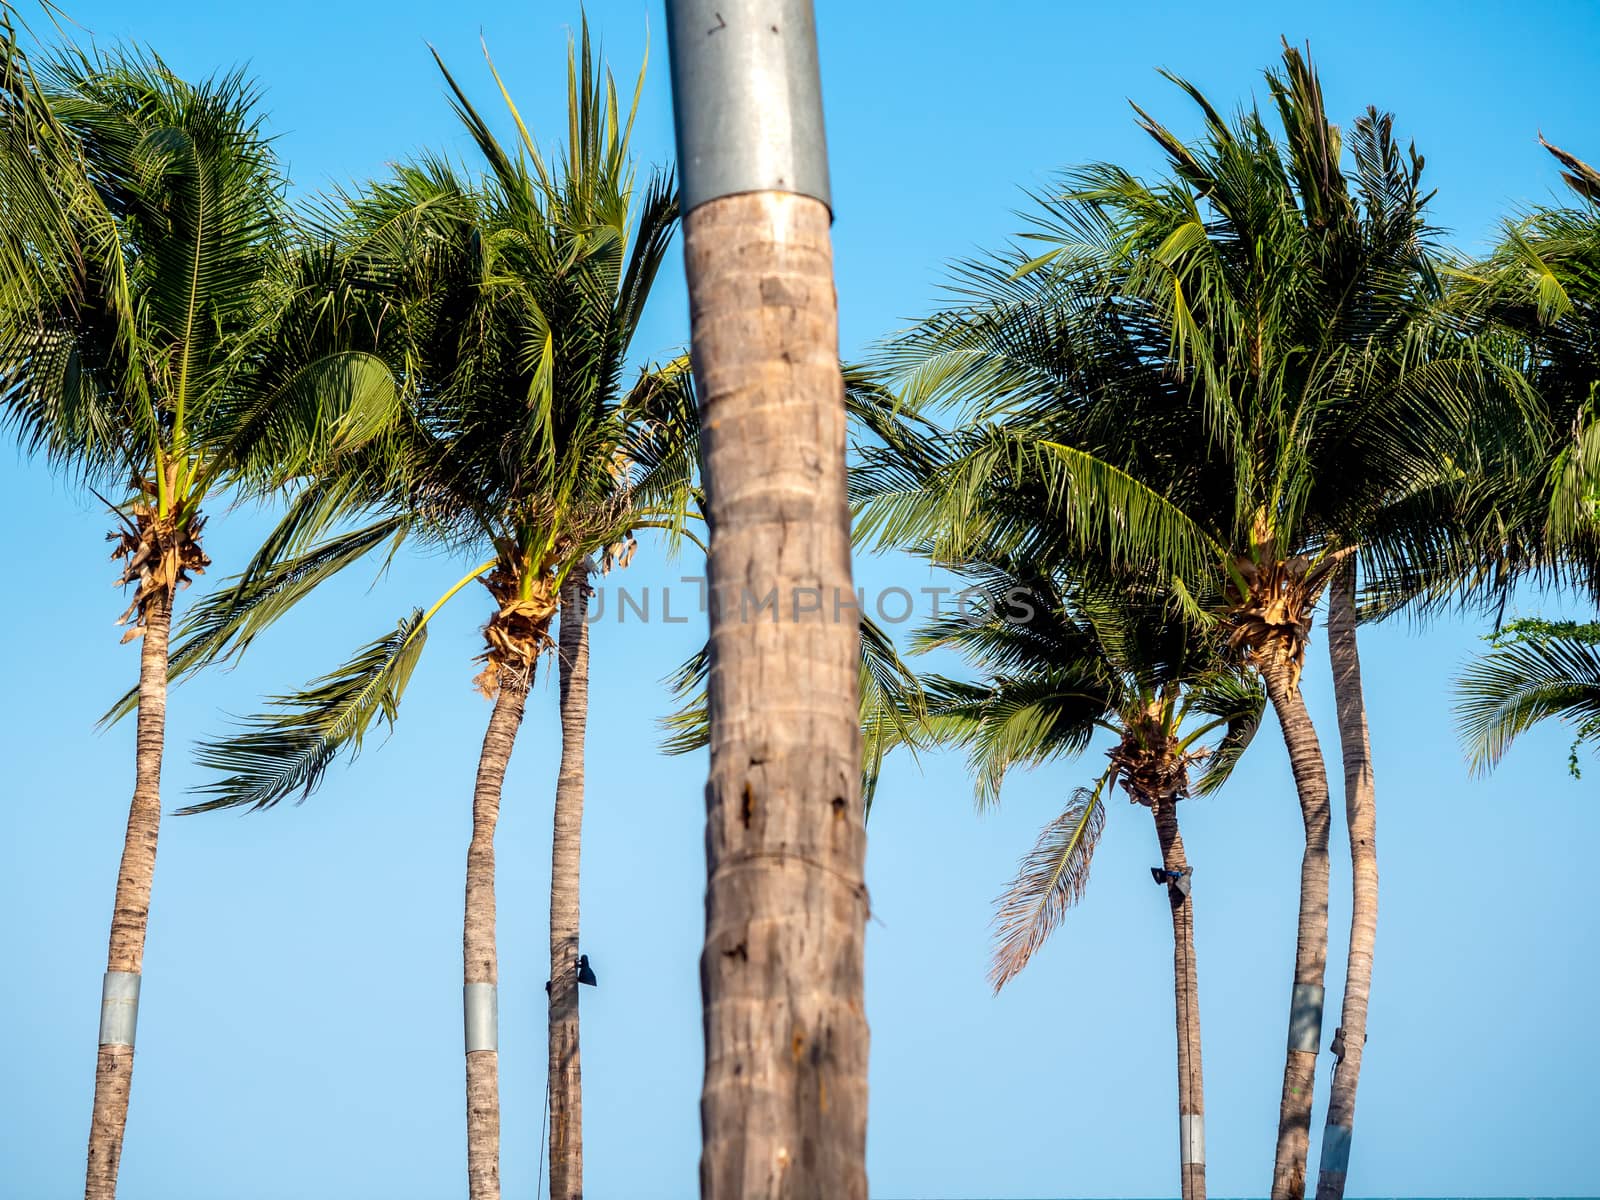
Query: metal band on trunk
1336, 1149
1192, 1139
1305, 1018
481, 1009
119, 1008
747, 99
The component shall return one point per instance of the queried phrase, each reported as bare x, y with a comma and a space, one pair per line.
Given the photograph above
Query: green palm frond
688, 729
1050, 880
325, 408
1237, 700
1519, 683
663, 451
288, 750
159, 316
893, 705
995, 490
1026, 721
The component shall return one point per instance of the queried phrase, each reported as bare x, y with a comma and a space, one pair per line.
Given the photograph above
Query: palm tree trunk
479, 960
784, 1107
1186, 993
1362, 818
119, 1004
1311, 944
566, 1079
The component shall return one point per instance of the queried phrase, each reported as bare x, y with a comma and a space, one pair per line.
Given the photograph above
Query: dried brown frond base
1149, 764
1272, 619
518, 632
159, 554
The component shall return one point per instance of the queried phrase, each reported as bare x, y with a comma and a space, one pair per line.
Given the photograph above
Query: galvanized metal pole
747, 99
784, 1104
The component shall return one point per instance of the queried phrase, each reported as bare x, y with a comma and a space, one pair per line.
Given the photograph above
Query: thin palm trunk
566, 1078
1186, 994
479, 959
1311, 944
1362, 818
784, 1107
130, 917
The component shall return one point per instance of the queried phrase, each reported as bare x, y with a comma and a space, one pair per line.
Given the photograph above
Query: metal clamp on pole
481, 1007
119, 1008
1336, 1149
1305, 1018
747, 99
1192, 1139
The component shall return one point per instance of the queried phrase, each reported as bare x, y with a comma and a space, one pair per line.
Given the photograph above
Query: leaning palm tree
160, 338
1057, 666
519, 295
1225, 373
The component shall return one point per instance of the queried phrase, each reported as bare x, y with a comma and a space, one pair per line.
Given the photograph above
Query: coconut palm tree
519, 295
1057, 666
1227, 373
160, 338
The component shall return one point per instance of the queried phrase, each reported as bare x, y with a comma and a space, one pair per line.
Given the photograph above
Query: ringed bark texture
566, 1079
1311, 944
1186, 994
1361, 816
479, 959
130, 917
784, 1104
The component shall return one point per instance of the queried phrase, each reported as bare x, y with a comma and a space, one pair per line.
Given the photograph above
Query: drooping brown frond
1049, 881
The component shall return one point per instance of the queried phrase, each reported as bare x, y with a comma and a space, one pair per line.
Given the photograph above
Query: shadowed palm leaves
1231, 375
514, 299
162, 337
1538, 670
1543, 286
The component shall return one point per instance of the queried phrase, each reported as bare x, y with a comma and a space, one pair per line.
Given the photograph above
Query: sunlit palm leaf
286, 752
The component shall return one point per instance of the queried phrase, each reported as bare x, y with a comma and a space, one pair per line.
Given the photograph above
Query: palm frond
288, 750
1519, 684
1238, 700
1050, 880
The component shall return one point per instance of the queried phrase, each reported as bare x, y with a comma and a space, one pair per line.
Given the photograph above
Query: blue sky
300, 1033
